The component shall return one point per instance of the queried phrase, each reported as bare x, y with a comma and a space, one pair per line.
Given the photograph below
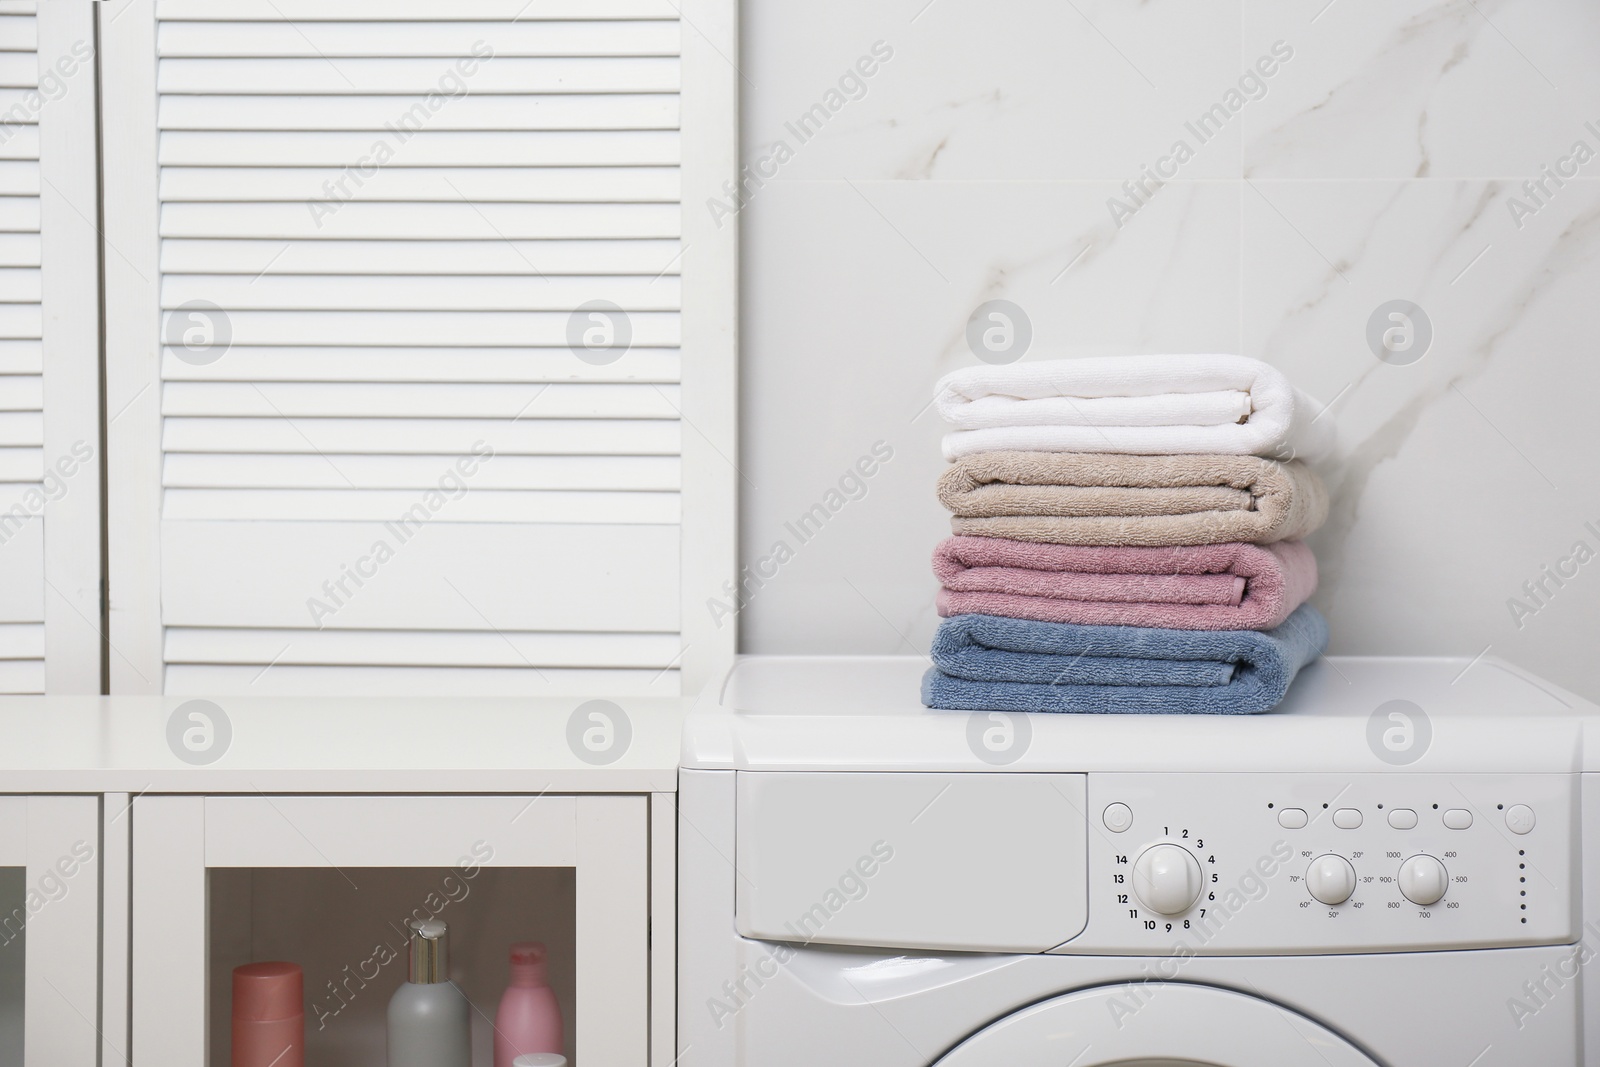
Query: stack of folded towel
1127, 536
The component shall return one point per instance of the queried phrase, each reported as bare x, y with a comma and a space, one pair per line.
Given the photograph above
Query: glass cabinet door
329, 883
49, 930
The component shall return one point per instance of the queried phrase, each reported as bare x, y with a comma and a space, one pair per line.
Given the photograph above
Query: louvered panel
22, 677
18, 33
357, 220
409, 77
18, 142
421, 293
414, 648
526, 437
645, 258
19, 214
391, 400
184, 470
437, 575
355, 149
22, 495
465, 505
24, 428
19, 285
21, 641
21, 322
19, 249
16, 109
19, 492
20, 465
427, 328
21, 392
18, 177
21, 357
399, 473
617, 111
411, 10
332, 41
21, 564
372, 364
19, 70
509, 664
277, 680
522, 185
50, 507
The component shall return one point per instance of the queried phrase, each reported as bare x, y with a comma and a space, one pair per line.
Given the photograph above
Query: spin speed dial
1423, 880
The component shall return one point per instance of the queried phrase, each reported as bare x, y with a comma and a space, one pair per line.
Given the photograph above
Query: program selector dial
1166, 879
1331, 879
1423, 880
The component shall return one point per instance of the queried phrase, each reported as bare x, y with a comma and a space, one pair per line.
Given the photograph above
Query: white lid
540, 1059
864, 713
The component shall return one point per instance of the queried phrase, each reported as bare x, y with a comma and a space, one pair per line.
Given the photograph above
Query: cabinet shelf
346, 930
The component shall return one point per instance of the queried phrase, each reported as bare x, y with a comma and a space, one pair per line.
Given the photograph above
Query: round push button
1118, 817
1519, 818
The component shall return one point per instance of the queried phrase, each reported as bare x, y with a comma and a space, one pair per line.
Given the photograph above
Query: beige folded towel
1091, 498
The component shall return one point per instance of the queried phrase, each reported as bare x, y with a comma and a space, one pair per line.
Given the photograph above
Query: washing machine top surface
1417, 714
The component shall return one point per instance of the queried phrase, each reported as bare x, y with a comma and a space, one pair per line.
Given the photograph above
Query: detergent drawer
981, 862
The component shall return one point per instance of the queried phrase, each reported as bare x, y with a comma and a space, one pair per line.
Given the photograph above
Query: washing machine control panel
1196, 864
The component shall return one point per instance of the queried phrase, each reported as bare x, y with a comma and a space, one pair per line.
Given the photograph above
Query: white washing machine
1386, 871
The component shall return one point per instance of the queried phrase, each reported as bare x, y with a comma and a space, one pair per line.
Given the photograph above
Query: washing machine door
1155, 1024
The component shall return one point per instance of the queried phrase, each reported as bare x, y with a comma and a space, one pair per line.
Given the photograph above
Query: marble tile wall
1356, 153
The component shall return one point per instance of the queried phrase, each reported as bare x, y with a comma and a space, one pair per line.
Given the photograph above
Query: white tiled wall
1377, 162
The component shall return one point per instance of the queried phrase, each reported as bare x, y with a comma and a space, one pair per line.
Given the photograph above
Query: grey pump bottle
430, 1024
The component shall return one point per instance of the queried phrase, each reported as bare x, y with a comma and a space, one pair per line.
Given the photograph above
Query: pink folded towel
1231, 586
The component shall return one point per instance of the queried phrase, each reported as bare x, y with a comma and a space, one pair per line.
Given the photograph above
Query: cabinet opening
14, 913
347, 930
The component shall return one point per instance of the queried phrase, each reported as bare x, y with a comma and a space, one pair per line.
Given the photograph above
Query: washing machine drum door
1155, 1024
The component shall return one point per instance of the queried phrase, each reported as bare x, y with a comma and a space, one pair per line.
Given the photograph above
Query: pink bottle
529, 1019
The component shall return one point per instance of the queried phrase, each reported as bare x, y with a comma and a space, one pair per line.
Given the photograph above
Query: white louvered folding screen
396, 440
49, 353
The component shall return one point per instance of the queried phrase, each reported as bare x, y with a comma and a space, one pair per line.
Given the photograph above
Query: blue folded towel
988, 663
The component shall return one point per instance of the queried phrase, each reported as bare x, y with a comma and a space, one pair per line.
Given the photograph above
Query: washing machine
1388, 870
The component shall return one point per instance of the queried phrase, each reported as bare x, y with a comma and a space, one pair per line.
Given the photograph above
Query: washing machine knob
1331, 879
1166, 879
1423, 880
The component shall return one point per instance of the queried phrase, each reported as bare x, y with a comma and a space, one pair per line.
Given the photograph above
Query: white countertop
864, 713
336, 745
773, 713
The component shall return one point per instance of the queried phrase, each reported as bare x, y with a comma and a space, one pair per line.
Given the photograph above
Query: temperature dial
1331, 879
1166, 879
1423, 880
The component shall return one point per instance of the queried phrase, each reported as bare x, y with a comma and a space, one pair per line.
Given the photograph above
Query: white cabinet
309, 831
421, 345
49, 930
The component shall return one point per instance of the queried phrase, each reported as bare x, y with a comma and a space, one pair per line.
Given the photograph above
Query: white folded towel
1136, 405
